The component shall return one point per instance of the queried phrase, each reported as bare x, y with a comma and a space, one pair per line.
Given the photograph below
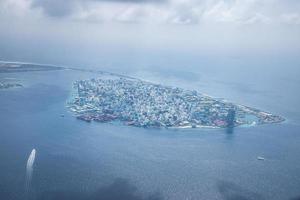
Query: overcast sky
89, 26
158, 11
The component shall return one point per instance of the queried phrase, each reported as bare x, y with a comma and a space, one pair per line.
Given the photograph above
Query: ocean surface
79, 160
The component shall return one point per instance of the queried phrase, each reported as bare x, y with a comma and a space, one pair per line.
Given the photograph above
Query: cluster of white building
145, 104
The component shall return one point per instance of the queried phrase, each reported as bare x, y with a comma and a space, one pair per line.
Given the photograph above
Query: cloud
160, 11
291, 18
239, 12
59, 8
55, 8
134, 1
19, 8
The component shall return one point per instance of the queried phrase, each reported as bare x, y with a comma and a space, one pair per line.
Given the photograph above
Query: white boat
260, 158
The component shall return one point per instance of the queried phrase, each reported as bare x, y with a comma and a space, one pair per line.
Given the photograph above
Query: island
16, 67
6, 85
9, 67
143, 104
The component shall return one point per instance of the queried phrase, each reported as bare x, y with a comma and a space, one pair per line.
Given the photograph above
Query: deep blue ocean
79, 160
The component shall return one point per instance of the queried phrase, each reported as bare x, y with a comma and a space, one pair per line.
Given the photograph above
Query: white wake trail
29, 169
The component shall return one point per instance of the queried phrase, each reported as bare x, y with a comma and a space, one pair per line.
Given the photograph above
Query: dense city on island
144, 104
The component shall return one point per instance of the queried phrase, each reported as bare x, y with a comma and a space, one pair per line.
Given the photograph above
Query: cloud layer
160, 11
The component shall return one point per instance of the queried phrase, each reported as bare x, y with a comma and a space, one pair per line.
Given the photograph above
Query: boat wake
29, 170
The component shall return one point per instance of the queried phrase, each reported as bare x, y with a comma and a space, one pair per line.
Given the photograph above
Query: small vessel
260, 158
29, 169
